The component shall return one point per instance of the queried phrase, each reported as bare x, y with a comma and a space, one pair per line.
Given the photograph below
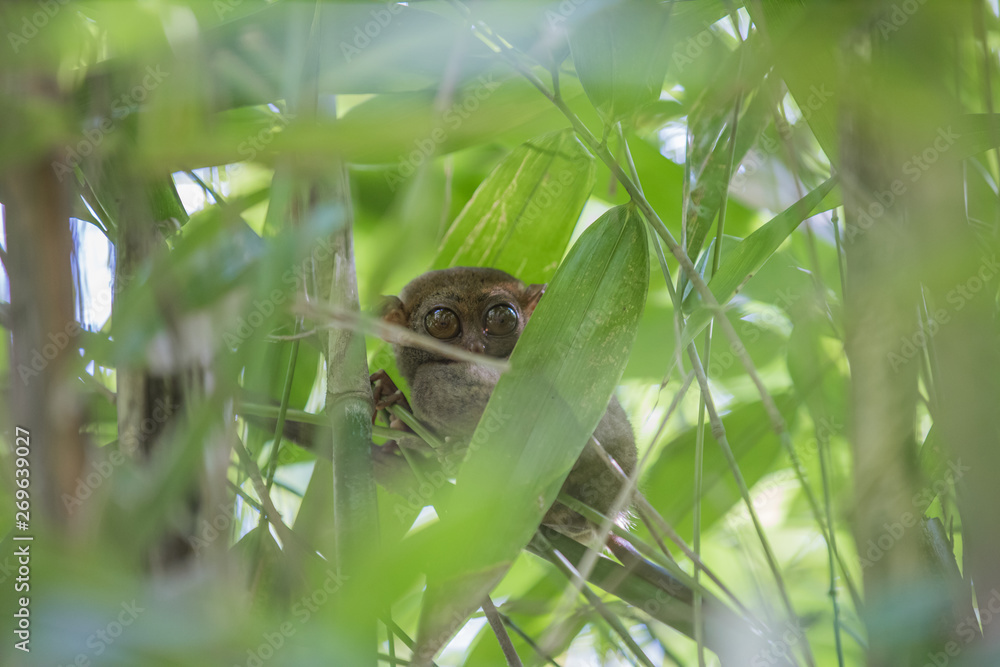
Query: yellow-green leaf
522, 216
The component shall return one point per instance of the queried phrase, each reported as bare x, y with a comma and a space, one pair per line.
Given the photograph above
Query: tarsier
484, 311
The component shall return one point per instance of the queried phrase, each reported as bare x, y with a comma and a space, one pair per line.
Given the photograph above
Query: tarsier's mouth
444, 361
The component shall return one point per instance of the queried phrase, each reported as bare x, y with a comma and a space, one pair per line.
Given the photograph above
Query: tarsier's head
478, 309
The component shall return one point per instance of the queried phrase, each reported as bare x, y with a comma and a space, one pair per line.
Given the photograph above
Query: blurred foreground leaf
621, 56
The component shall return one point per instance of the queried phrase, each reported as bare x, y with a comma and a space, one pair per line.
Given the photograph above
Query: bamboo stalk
350, 406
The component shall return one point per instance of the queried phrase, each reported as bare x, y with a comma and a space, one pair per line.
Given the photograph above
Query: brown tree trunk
44, 362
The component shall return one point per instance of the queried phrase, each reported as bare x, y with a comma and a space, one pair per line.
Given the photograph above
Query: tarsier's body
484, 311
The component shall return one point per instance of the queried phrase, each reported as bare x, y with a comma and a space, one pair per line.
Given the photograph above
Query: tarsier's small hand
386, 394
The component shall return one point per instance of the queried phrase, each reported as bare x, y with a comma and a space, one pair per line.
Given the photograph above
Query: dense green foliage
769, 227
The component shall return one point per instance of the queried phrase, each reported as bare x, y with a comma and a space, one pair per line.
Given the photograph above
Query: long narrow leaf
522, 216
751, 253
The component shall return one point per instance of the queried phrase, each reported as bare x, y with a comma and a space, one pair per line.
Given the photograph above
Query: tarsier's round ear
532, 294
392, 311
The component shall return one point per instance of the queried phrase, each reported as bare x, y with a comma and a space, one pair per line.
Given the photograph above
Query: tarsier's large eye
442, 323
501, 320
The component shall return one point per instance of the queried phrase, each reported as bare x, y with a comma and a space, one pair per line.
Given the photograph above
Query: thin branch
336, 317
299, 336
528, 640
624, 498
719, 433
647, 550
206, 187
699, 452
605, 523
247, 498
279, 424
422, 431
823, 443
493, 616
392, 628
288, 538
611, 619
391, 641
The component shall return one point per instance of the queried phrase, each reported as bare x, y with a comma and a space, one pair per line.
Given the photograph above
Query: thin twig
206, 187
493, 616
611, 619
823, 443
288, 538
605, 523
509, 622
719, 433
341, 318
699, 452
279, 424
647, 550
392, 628
299, 336
625, 493
247, 498
421, 431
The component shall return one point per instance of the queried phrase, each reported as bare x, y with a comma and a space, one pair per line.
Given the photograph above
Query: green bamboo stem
349, 404
699, 452
823, 443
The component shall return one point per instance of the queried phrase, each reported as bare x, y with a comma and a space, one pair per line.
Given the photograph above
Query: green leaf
795, 30
813, 364
669, 484
521, 217
621, 56
978, 133
543, 411
740, 265
711, 123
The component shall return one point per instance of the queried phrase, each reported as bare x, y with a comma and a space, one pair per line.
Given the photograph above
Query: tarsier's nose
475, 346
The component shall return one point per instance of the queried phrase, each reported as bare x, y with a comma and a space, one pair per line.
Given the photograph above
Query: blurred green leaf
795, 30
813, 364
669, 482
621, 56
401, 130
